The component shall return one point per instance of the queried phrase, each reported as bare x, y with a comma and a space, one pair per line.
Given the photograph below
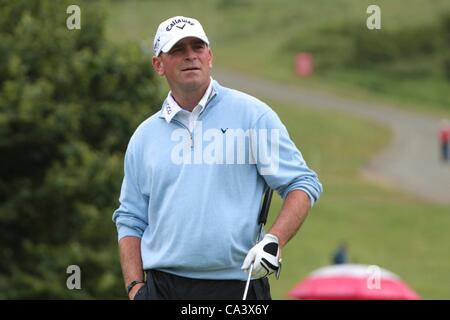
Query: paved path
410, 162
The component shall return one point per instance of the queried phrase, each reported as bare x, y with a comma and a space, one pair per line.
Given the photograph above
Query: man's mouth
190, 69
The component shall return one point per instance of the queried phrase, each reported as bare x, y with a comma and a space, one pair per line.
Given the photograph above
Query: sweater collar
170, 108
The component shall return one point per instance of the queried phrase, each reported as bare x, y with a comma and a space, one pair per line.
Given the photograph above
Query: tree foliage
69, 102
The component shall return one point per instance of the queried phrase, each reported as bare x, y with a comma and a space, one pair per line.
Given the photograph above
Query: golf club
262, 221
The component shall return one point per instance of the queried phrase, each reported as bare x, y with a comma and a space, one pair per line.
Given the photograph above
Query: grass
245, 37
382, 226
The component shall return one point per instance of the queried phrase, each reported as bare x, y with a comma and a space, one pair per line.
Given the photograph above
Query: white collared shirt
173, 110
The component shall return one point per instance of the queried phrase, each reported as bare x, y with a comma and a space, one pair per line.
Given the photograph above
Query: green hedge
69, 102
412, 52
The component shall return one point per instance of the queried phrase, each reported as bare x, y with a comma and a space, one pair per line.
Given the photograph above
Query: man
444, 137
195, 173
340, 254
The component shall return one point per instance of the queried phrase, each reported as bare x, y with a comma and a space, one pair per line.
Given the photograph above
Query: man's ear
158, 65
210, 62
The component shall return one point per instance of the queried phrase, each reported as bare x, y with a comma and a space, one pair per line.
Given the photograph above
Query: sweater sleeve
279, 161
131, 218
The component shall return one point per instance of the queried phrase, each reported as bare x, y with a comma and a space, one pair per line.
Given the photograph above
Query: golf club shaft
262, 221
247, 284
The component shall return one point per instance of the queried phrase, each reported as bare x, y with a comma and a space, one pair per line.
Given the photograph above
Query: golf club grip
265, 206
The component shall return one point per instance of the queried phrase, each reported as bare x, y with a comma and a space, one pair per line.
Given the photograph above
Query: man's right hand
265, 256
135, 289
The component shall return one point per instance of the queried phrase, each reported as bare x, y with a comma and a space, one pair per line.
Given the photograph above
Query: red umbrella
352, 282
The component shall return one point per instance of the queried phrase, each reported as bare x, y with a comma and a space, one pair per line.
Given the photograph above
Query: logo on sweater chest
227, 146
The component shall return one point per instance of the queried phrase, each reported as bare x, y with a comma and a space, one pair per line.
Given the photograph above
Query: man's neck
189, 100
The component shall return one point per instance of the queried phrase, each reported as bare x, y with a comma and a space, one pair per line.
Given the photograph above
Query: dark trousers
165, 286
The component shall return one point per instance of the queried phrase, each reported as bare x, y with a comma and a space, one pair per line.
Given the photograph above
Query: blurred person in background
340, 255
444, 138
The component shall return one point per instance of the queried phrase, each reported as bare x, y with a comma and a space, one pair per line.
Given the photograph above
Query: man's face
186, 66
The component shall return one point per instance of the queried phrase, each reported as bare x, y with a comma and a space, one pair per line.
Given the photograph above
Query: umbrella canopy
352, 282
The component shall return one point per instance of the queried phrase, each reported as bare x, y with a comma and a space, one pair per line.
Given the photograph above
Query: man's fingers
259, 271
248, 260
264, 257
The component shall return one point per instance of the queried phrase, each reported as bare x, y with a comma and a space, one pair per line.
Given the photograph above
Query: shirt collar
171, 108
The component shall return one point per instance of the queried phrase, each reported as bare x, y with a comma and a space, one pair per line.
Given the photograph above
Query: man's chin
194, 83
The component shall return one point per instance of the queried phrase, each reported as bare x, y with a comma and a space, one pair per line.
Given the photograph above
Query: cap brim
166, 48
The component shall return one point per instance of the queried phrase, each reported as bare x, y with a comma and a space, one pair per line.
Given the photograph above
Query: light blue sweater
194, 198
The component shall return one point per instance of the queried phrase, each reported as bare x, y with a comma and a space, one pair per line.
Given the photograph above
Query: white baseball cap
173, 30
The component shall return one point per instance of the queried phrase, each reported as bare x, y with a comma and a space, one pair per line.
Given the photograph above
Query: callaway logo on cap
173, 30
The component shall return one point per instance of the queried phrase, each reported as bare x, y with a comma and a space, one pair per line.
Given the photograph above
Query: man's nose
190, 53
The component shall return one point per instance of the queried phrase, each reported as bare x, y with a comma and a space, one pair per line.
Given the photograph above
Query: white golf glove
266, 258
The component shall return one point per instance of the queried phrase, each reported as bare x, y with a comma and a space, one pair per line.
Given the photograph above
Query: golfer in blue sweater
195, 173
